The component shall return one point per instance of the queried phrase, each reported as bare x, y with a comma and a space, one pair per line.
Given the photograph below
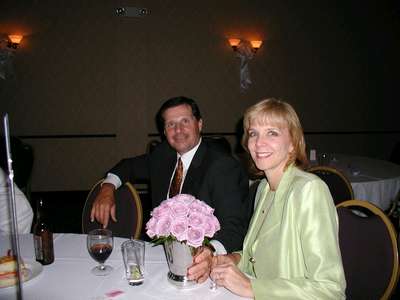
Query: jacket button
252, 260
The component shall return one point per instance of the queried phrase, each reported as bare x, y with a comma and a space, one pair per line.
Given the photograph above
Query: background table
69, 277
373, 180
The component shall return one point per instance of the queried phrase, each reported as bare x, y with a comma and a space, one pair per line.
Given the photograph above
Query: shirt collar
188, 156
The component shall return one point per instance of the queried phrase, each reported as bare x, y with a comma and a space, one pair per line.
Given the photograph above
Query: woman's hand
225, 273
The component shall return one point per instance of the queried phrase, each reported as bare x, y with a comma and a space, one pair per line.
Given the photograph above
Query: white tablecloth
69, 277
376, 181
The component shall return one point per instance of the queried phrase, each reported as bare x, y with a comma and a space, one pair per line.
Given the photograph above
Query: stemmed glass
213, 285
100, 245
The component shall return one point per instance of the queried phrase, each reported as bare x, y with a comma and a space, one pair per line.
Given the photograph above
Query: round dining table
373, 180
70, 277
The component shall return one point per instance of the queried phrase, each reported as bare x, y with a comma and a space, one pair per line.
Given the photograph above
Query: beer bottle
42, 236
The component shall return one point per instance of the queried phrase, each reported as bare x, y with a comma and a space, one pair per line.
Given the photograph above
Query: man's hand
104, 205
200, 269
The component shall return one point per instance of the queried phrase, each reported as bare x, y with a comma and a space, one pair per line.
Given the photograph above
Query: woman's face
269, 147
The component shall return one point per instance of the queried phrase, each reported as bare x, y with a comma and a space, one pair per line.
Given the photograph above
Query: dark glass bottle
42, 237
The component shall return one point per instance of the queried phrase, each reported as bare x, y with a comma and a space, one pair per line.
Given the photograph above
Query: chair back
395, 155
218, 143
151, 145
368, 245
338, 184
129, 212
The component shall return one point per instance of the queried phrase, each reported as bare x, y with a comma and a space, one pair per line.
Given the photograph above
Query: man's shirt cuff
219, 248
112, 179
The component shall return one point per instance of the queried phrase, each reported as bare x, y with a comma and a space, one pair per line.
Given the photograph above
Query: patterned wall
82, 70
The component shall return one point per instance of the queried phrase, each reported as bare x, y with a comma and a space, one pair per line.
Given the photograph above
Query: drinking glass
133, 252
100, 245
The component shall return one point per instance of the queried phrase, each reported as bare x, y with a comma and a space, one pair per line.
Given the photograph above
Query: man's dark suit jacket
213, 177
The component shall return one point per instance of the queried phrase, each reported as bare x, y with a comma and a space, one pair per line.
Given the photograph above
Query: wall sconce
255, 45
245, 50
7, 53
14, 40
234, 43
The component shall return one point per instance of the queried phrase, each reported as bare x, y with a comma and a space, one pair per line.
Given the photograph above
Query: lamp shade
234, 42
15, 39
256, 44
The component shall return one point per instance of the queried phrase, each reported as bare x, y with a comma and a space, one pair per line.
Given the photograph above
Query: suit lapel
257, 220
163, 175
256, 230
195, 171
273, 217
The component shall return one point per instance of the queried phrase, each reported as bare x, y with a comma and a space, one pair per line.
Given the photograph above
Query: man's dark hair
173, 102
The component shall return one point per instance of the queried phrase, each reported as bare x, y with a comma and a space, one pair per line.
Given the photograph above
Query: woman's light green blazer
291, 249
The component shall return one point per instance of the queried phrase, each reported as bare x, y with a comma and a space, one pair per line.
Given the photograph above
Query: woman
291, 249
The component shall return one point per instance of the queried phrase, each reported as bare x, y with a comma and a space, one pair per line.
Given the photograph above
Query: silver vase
179, 258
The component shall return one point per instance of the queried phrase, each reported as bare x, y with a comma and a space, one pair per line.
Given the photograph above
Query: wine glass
213, 285
100, 245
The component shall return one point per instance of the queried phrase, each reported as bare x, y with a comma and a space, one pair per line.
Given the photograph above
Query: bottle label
37, 240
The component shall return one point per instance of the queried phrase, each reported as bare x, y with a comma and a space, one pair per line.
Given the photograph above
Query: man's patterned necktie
177, 180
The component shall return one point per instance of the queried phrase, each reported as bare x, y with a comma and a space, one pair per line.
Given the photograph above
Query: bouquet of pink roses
183, 218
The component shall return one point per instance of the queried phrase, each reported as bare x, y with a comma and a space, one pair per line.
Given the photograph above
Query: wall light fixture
14, 40
234, 43
245, 50
254, 44
8, 46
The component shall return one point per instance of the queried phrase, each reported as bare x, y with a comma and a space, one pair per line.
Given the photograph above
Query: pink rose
167, 202
185, 198
179, 229
196, 206
195, 237
206, 208
201, 207
160, 211
217, 225
209, 228
179, 210
196, 220
164, 226
151, 227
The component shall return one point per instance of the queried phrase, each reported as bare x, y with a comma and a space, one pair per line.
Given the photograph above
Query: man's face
181, 128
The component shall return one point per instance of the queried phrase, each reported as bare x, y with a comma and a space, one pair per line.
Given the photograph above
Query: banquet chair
369, 250
151, 145
218, 143
338, 184
395, 155
129, 212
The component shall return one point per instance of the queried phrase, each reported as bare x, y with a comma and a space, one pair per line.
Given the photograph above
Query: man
23, 208
209, 175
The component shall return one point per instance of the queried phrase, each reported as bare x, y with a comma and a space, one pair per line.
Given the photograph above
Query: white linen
376, 181
69, 277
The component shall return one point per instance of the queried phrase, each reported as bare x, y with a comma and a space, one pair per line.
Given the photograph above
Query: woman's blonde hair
281, 114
